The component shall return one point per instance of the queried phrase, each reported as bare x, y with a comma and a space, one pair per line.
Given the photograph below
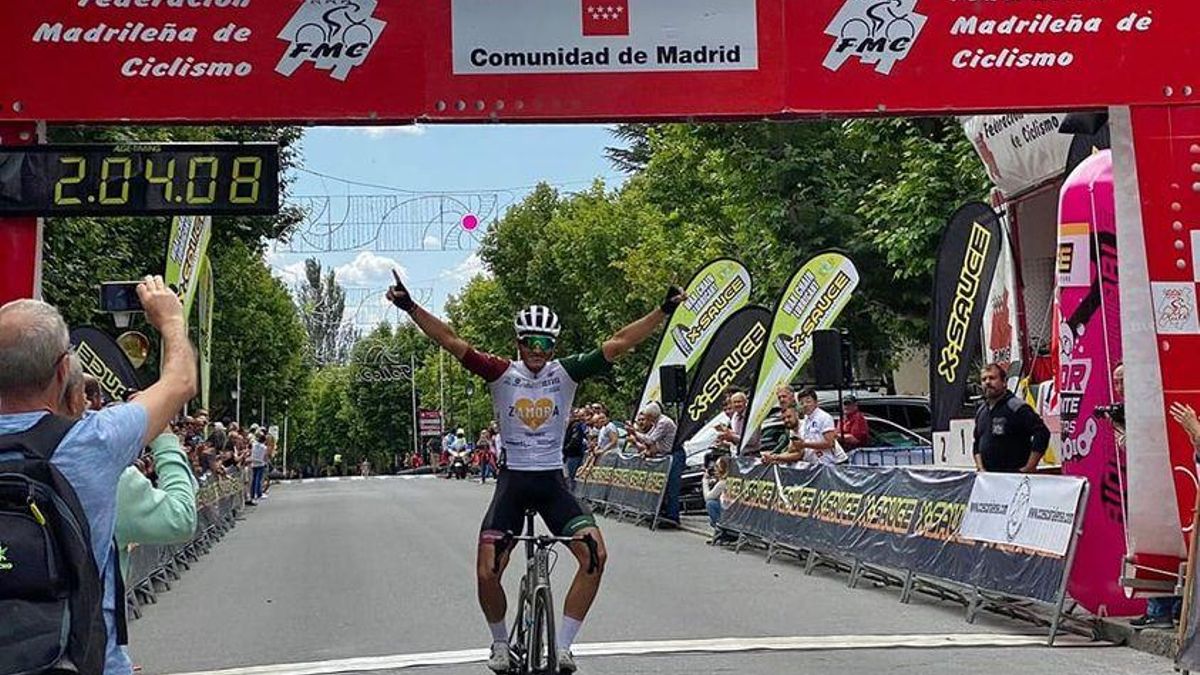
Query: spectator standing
714, 488
814, 439
659, 441
270, 442
789, 422
731, 435
258, 466
91, 389
1010, 437
34, 346
853, 429
487, 456
573, 446
607, 435
773, 436
74, 400
219, 438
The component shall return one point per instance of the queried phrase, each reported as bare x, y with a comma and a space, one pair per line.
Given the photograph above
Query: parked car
910, 412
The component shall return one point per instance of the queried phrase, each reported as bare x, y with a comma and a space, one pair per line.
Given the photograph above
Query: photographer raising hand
88, 456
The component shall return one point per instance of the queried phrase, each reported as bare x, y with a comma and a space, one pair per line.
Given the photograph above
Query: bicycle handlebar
546, 541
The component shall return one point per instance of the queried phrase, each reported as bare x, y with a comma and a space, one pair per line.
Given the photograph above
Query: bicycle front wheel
542, 653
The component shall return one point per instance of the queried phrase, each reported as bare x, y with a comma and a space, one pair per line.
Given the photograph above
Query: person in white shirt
607, 435
816, 438
258, 464
731, 434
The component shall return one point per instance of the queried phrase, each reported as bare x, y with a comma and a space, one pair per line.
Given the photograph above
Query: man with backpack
58, 486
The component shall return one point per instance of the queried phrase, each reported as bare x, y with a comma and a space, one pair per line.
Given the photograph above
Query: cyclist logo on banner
878, 32
334, 36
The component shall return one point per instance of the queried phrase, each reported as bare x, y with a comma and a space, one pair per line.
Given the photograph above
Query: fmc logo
878, 32
335, 35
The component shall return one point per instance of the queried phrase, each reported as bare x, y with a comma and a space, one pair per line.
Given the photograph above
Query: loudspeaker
673, 380
828, 366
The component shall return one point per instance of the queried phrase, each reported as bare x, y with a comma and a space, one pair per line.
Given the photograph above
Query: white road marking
334, 479
641, 648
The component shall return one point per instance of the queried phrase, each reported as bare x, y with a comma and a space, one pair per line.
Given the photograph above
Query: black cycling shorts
545, 492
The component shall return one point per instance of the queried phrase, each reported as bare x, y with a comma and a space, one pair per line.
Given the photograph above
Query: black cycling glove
672, 301
400, 296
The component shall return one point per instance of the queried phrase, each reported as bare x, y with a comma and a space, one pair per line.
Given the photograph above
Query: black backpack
50, 590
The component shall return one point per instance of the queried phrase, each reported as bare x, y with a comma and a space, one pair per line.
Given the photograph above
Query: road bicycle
532, 641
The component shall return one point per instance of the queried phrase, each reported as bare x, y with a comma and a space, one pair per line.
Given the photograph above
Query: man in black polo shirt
1009, 436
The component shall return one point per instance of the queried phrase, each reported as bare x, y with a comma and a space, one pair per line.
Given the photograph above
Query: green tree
256, 324
322, 303
326, 420
380, 391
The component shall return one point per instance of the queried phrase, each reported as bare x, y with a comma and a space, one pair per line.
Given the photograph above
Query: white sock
499, 631
570, 628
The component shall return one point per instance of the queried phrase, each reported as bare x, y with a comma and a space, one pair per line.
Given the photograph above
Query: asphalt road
377, 575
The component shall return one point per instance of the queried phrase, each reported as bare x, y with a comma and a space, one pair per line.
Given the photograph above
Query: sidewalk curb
1151, 641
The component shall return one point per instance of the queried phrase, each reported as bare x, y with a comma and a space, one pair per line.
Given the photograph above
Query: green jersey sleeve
582, 366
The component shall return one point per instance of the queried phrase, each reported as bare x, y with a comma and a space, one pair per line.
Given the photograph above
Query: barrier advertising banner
625, 482
1017, 510
965, 268
185, 249
812, 300
750, 491
103, 358
731, 360
898, 518
719, 289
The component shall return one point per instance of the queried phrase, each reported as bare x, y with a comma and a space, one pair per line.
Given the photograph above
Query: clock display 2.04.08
138, 180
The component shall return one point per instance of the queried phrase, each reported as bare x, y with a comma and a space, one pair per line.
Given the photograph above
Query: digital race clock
140, 179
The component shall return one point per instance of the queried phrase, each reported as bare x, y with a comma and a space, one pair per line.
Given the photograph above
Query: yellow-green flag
206, 299
186, 248
815, 296
719, 289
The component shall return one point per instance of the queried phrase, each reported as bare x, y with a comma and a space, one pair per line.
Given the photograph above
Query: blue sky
495, 164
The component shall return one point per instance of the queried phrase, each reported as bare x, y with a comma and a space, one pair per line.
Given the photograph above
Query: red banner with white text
367, 61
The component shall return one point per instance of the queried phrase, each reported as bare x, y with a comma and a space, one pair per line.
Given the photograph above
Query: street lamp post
285, 437
470, 393
412, 379
238, 413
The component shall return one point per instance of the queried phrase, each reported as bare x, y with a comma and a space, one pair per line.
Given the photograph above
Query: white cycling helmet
537, 320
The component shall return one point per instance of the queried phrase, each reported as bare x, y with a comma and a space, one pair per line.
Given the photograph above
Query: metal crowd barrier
153, 567
901, 456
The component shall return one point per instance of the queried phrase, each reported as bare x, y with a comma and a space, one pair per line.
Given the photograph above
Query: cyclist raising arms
533, 398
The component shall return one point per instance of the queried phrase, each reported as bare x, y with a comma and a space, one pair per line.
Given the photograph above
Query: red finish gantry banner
397, 61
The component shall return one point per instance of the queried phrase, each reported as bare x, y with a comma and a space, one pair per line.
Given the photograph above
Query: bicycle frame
532, 638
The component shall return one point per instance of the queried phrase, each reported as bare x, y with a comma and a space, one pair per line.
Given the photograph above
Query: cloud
432, 241
370, 270
289, 274
406, 130
466, 270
